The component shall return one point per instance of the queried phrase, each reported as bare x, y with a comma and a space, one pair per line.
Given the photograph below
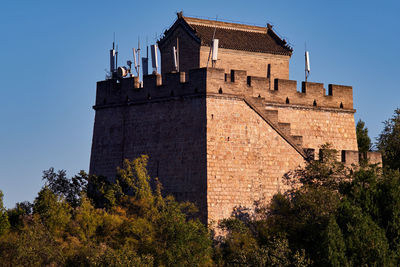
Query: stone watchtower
220, 136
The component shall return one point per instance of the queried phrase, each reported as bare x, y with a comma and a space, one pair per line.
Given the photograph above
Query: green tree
327, 172
389, 208
70, 189
304, 216
378, 196
388, 142
363, 140
4, 223
366, 243
339, 211
52, 210
333, 245
17, 214
138, 227
160, 226
253, 242
30, 245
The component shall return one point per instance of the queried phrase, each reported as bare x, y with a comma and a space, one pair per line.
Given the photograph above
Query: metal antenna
177, 52
112, 59
138, 52
145, 60
215, 29
116, 58
307, 62
147, 46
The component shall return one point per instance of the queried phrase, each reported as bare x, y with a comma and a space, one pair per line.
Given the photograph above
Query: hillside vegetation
331, 216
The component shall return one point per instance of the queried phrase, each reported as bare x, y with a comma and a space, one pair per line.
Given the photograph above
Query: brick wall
319, 126
107, 143
256, 64
205, 142
171, 132
246, 158
189, 52
192, 56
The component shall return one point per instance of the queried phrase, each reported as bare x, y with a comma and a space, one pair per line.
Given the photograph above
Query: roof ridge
223, 24
232, 36
228, 28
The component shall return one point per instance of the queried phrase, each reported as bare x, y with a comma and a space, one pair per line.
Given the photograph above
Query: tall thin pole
177, 53
215, 29
138, 56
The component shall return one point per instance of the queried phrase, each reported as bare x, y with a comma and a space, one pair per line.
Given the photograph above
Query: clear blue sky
53, 52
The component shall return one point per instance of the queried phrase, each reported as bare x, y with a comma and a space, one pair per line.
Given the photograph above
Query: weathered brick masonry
218, 136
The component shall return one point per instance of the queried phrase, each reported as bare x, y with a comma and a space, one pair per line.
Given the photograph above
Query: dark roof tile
233, 36
241, 40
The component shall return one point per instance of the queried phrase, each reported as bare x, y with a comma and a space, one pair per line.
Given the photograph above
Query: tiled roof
234, 36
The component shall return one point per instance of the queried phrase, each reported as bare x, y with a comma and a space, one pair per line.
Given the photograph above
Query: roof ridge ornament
179, 14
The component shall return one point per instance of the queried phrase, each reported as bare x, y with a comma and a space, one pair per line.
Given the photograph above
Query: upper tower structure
258, 50
221, 136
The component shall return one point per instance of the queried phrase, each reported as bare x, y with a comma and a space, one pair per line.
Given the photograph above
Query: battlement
216, 81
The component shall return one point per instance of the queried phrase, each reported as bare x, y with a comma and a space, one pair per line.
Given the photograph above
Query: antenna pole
307, 63
138, 52
215, 29
177, 52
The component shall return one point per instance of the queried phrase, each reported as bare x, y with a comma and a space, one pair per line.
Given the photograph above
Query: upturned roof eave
179, 22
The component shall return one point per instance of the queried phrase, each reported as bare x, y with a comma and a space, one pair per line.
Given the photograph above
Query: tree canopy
363, 140
388, 142
137, 227
330, 217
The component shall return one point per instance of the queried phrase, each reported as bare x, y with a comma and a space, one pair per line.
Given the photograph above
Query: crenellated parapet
216, 81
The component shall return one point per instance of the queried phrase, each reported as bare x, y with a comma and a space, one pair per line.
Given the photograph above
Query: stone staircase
282, 128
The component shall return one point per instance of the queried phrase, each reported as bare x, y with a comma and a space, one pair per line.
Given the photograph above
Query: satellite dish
122, 72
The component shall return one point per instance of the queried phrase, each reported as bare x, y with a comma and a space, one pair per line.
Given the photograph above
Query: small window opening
220, 91
269, 71
226, 77
259, 95
341, 105
314, 103
249, 80
287, 100
232, 76
343, 156
212, 116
